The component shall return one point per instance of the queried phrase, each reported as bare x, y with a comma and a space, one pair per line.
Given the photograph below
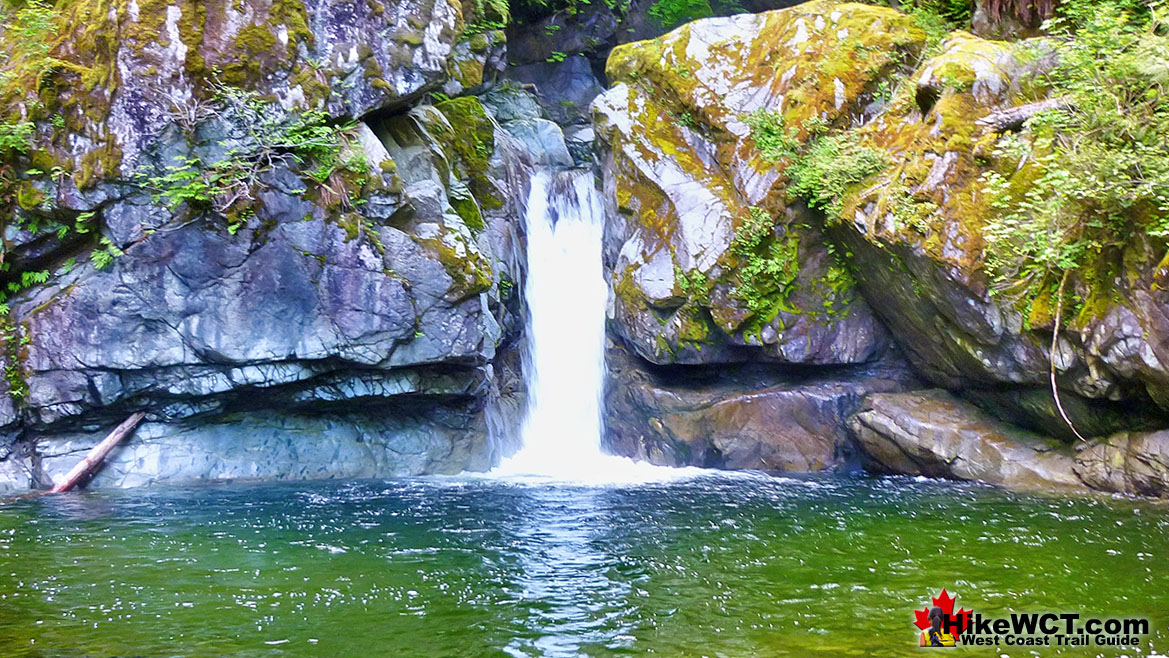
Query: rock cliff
834, 185
288, 231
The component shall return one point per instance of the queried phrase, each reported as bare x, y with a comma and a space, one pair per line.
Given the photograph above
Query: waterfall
566, 295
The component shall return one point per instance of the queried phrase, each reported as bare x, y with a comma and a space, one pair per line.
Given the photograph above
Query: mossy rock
689, 171
469, 142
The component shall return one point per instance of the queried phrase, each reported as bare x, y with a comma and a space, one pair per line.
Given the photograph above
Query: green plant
672, 13
16, 137
308, 143
13, 342
105, 254
768, 265
831, 165
1084, 182
695, 286
771, 135
1090, 177
557, 56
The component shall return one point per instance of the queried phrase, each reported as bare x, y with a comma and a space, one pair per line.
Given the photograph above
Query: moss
103, 162
14, 345
469, 143
28, 196
413, 38
254, 50
466, 207
470, 272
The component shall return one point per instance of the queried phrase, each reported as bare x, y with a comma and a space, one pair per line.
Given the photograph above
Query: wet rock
1133, 463
386, 442
745, 417
564, 89
934, 434
387, 333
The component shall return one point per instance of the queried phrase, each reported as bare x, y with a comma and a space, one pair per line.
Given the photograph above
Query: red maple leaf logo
946, 603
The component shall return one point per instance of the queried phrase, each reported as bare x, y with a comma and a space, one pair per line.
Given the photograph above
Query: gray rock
508, 102
564, 89
746, 417
543, 139
271, 445
934, 434
1133, 463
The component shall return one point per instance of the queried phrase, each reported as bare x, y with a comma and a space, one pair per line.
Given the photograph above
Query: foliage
14, 341
30, 34
487, 15
954, 12
308, 143
769, 265
105, 254
1083, 182
770, 135
695, 286
937, 18
16, 137
831, 165
672, 13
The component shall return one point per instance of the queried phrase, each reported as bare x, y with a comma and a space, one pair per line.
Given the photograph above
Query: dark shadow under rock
750, 416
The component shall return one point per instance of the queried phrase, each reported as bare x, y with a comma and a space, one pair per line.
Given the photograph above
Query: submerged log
99, 452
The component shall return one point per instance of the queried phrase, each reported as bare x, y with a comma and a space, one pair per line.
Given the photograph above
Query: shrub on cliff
1092, 176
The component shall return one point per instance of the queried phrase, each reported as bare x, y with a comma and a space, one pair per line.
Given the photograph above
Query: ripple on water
738, 565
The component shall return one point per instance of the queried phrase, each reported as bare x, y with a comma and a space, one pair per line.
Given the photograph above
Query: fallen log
1013, 118
98, 453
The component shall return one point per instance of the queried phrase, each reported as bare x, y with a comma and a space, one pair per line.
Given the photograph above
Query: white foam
566, 294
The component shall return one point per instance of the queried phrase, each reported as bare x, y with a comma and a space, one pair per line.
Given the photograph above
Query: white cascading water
566, 296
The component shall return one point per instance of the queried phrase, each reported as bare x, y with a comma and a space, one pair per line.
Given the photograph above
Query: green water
713, 566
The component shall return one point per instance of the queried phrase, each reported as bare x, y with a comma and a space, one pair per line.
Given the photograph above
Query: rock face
934, 434
745, 417
710, 263
917, 234
356, 319
800, 188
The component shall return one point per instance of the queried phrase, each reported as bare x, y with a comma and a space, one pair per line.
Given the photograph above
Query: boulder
934, 434
743, 417
710, 262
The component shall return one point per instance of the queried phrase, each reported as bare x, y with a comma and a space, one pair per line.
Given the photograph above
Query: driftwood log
98, 453
1013, 118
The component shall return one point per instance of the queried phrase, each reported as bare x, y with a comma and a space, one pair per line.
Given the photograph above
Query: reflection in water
731, 565
564, 573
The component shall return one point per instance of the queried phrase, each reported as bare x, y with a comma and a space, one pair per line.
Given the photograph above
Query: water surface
718, 566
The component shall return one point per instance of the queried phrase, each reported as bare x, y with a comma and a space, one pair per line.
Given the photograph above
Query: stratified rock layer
335, 328
934, 434
738, 417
